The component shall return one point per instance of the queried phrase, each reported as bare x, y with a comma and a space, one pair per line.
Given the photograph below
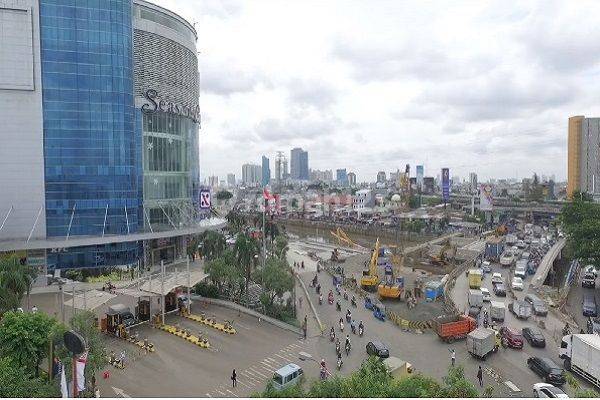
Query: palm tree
246, 248
15, 281
236, 221
214, 245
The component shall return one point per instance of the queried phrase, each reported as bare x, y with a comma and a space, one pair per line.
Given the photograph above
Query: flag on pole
266, 194
64, 391
80, 368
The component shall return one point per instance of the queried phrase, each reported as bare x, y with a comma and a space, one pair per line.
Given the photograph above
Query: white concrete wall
21, 133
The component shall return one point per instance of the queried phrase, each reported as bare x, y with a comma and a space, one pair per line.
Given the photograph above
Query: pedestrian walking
480, 376
453, 356
233, 379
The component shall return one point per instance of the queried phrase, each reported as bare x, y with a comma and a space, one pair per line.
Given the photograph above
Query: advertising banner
445, 185
205, 199
486, 197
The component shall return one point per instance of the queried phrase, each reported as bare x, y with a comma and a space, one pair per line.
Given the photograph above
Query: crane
370, 279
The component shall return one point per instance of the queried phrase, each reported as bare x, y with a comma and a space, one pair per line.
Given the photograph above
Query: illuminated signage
155, 103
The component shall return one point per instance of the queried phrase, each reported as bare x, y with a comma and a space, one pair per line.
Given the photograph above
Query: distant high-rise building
583, 168
473, 181
420, 174
351, 178
323, 176
341, 176
281, 167
428, 185
299, 164
213, 181
231, 180
251, 174
266, 171
381, 177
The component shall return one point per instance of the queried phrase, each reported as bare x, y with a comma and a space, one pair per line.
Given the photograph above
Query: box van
286, 376
589, 304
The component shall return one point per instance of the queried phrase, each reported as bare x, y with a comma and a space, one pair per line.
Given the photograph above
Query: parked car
507, 259
497, 278
538, 306
517, 283
534, 336
547, 369
588, 280
549, 391
377, 348
499, 289
486, 294
511, 338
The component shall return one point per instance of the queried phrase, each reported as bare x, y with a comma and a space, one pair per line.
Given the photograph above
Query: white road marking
258, 373
295, 345
208, 394
251, 376
245, 384
269, 358
283, 358
512, 386
232, 392
269, 364
218, 391
290, 354
269, 369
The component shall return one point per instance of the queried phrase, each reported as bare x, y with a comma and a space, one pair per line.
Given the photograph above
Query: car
486, 266
497, 278
377, 348
474, 311
521, 271
537, 305
525, 255
517, 283
588, 280
593, 325
486, 294
547, 369
511, 338
534, 336
589, 306
590, 268
521, 244
548, 390
499, 289
506, 259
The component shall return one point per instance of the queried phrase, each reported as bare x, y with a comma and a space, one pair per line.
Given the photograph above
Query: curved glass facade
91, 139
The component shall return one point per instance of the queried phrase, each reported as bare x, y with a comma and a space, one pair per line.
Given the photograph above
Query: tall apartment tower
266, 171
583, 168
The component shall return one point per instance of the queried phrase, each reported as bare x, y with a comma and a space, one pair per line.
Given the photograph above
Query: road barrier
184, 334
210, 322
310, 303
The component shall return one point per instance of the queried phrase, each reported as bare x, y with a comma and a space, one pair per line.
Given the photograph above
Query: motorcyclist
345, 295
348, 316
348, 346
353, 326
320, 299
332, 334
339, 361
341, 325
338, 306
319, 288
314, 281
361, 328
353, 301
337, 347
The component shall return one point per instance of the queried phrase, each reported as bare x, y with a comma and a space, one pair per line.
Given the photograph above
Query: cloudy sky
373, 85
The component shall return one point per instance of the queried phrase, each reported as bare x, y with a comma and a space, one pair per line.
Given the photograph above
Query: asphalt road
575, 299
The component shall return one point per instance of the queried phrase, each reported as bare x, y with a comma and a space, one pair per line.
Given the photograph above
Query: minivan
589, 304
286, 376
547, 369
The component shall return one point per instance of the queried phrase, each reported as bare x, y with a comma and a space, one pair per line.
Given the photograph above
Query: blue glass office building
118, 87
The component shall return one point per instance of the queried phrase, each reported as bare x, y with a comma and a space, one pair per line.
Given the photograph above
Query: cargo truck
497, 311
493, 248
521, 309
452, 327
581, 354
475, 276
475, 298
482, 341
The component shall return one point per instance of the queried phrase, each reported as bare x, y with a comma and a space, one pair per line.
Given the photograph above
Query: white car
548, 390
521, 271
486, 294
517, 283
507, 259
486, 266
497, 277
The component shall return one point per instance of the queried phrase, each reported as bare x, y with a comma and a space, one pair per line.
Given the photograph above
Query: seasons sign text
155, 103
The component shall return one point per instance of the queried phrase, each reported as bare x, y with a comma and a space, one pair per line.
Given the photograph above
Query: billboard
445, 185
486, 197
420, 173
205, 199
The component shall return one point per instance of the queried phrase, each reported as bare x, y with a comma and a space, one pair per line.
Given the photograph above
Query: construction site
406, 277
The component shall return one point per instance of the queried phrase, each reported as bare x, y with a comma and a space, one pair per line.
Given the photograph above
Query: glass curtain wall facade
91, 141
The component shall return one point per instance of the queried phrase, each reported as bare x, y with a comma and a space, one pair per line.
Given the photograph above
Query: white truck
481, 342
581, 354
497, 311
475, 298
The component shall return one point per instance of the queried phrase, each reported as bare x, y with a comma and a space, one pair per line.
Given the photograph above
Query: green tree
536, 191
225, 272
456, 385
275, 279
224, 195
17, 381
25, 338
15, 282
580, 220
213, 245
235, 221
281, 246
84, 323
246, 248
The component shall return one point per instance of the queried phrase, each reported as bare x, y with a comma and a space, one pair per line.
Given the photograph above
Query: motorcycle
339, 363
338, 306
348, 347
353, 327
320, 299
341, 326
323, 374
337, 349
345, 296
348, 317
353, 302
360, 331
330, 298
332, 336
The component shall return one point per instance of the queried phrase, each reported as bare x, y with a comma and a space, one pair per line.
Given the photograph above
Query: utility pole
189, 279
162, 289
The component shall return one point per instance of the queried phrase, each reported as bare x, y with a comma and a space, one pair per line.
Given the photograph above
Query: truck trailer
452, 327
482, 341
581, 354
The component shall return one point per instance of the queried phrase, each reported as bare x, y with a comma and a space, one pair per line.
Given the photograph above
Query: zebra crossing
255, 377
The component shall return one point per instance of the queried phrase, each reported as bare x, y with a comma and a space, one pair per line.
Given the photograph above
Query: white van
286, 376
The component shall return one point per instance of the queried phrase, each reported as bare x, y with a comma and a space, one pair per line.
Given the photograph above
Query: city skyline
421, 99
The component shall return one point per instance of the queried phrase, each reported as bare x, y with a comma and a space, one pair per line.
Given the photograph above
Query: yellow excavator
370, 280
441, 258
392, 286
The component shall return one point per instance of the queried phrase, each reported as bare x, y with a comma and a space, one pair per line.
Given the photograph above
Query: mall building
99, 133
